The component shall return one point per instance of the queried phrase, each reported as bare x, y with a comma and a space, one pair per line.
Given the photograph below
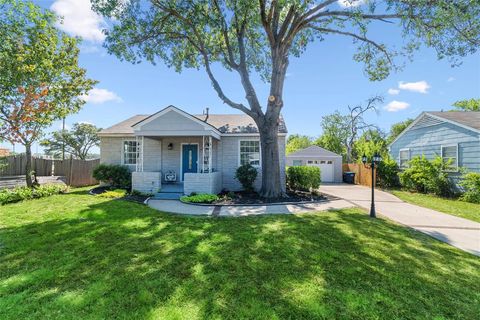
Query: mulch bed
128, 197
253, 198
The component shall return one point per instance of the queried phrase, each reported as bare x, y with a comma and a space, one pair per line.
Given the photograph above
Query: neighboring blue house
451, 135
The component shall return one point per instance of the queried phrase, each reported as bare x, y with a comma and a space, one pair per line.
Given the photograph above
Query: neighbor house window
450, 156
404, 158
131, 149
297, 163
250, 152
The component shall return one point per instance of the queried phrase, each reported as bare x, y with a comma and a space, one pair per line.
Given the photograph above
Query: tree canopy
398, 128
297, 142
247, 37
468, 105
76, 142
40, 80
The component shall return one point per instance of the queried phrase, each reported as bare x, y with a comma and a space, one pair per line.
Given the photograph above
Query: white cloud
350, 3
98, 96
420, 86
86, 122
450, 79
79, 19
395, 106
393, 92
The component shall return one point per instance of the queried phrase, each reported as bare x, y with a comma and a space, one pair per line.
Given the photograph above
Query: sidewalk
176, 206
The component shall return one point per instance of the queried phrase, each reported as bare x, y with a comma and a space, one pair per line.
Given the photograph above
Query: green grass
77, 256
451, 206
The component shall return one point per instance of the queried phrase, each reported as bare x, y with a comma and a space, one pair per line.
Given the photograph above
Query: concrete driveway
458, 232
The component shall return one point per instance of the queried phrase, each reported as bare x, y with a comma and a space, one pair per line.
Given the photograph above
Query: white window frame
259, 152
136, 151
454, 168
400, 157
297, 165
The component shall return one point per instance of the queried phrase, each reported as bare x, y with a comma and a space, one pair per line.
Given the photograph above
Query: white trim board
160, 113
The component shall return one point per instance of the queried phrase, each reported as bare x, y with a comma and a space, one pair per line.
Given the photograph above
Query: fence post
70, 171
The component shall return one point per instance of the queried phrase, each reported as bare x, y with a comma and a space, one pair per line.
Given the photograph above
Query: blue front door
189, 158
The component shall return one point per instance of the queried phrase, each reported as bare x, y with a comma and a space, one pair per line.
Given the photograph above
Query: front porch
173, 166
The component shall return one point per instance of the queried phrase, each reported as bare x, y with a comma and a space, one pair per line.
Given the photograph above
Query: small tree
76, 142
40, 80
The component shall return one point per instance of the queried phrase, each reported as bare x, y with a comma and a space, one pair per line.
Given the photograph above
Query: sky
324, 79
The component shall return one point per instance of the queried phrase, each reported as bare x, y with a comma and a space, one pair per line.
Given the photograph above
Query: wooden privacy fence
363, 175
76, 172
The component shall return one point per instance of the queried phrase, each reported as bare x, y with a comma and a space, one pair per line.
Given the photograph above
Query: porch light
364, 159
170, 146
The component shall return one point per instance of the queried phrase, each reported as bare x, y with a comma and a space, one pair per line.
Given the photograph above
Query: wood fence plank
78, 173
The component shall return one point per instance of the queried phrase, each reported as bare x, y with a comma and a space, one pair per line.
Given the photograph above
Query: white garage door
326, 168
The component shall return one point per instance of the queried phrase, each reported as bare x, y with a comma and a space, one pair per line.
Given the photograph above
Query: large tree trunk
28, 165
271, 182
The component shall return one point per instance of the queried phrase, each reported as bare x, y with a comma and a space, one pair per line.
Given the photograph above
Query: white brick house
196, 153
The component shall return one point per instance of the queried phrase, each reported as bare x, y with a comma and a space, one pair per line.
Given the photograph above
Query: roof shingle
225, 123
467, 118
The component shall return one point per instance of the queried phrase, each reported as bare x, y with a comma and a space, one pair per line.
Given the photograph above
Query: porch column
139, 162
210, 147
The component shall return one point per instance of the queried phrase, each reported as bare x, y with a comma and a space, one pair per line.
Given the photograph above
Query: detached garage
330, 163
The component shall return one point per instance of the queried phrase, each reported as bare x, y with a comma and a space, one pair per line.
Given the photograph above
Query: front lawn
451, 206
77, 256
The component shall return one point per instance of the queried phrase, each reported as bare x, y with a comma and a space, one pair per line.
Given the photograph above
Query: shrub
246, 174
200, 198
115, 175
387, 174
427, 176
113, 194
303, 178
26, 193
471, 184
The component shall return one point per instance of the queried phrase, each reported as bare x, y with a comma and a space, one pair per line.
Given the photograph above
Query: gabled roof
224, 123
313, 151
469, 120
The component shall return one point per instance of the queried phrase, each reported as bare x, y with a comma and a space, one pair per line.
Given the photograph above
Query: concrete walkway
458, 232
176, 206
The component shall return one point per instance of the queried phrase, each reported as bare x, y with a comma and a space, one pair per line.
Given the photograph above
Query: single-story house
451, 135
199, 153
330, 163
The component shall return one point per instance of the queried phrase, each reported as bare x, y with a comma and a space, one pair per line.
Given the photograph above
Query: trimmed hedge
26, 193
471, 184
200, 198
303, 178
246, 174
115, 175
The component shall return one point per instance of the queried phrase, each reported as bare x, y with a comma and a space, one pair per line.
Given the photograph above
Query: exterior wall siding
428, 141
111, 150
230, 161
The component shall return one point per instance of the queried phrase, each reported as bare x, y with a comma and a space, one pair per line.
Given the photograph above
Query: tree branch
356, 36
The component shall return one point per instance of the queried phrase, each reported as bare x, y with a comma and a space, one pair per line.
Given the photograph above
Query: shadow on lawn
123, 260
